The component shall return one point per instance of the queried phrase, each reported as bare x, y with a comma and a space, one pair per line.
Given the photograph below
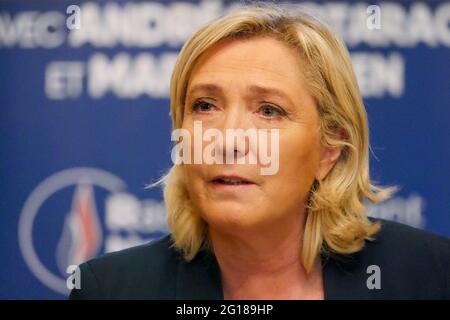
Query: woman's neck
266, 264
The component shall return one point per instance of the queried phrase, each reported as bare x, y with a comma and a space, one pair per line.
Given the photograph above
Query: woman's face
254, 84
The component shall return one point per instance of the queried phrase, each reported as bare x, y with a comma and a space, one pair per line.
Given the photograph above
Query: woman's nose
236, 131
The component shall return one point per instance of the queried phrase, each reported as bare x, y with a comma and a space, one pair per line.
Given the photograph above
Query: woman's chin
234, 218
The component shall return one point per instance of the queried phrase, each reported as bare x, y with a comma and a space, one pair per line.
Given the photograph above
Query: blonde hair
335, 215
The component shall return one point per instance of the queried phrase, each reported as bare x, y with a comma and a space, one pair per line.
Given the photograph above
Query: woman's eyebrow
253, 89
205, 87
268, 91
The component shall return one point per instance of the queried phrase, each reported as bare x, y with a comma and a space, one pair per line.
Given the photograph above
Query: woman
300, 233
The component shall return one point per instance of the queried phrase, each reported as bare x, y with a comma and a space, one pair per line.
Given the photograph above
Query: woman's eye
270, 111
202, 106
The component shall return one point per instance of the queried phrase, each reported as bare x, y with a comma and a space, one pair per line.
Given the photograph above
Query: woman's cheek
298, 160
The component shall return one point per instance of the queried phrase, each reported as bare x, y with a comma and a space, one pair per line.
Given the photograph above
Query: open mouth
231, 181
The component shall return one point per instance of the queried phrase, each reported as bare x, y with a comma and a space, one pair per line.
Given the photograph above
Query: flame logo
81, 235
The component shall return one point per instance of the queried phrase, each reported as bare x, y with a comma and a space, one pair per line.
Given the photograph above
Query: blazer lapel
199, 279
344, 277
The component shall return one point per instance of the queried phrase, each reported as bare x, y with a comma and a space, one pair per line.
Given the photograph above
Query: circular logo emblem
80, 235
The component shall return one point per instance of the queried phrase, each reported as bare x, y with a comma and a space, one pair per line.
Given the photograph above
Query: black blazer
413, 264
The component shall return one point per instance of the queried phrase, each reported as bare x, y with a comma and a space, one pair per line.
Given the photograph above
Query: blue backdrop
84, 122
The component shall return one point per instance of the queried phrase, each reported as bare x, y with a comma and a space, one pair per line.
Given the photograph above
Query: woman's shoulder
154, 253
401, 246
411, 250
401, 262
144, 271
405, 239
